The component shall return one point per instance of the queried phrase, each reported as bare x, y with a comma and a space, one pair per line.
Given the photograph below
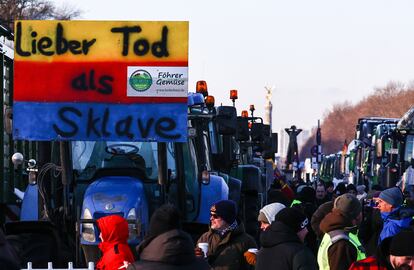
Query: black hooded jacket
283, 250
172, 250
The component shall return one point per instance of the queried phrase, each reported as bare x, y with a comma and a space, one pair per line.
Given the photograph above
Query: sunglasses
214, 216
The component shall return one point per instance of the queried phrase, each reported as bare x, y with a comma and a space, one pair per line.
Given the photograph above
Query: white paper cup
253, 250
204, 247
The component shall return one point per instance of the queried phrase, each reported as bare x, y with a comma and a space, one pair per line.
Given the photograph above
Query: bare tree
11, 10
338, 124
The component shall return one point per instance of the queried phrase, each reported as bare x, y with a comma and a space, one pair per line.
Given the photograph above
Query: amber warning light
210, 102
245, 114
201, 87
233, 94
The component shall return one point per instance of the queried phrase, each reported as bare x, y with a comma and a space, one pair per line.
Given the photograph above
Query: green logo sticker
140, 80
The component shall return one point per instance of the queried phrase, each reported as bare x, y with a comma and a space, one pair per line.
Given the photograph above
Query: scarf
228, 229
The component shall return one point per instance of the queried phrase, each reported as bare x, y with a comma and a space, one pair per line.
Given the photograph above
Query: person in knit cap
306, 202
351, 189
402, 251
267, 214
394, 216
394, 253
166, 246
340, 246
226, 238
282, 243
266, 217
361, 194
114, 245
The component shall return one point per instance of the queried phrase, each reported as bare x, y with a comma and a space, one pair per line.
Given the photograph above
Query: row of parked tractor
380, 153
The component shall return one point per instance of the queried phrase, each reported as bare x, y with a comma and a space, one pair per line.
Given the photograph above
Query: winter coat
367, 264
172, 250
283, 250
115, 250
379, 261
311, 240
342, 253
395, 221
227, 253
317, 217
370, 229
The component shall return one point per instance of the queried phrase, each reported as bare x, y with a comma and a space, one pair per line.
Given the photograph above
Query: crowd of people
314, 225
304, 226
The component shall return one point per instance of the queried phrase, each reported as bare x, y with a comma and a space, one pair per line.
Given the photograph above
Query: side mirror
256, 132
242, 129
274, 143
226, 120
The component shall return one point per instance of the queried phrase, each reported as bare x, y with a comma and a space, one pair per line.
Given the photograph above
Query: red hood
114, 229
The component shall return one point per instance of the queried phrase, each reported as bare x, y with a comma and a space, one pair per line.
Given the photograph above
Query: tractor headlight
88, 230
132, 227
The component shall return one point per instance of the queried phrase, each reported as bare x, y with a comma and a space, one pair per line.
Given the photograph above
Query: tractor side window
191, 174
190, 167
408, 155
148, 150
206, 151
171, 160
213, 139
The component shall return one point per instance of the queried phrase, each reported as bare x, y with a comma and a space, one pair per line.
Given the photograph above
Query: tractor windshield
89, 157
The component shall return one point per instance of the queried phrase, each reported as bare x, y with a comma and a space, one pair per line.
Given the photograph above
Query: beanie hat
277, 196
226, 209
392, 196
307, 194
293, 218
164, 219
361, 189
267, 213
351, 187
348, 205
402, 244
299, 189
340, 189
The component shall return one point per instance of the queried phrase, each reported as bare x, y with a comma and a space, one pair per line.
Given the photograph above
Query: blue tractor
131, 179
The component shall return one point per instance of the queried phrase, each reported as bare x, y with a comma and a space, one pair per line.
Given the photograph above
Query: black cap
402, 244
293, 218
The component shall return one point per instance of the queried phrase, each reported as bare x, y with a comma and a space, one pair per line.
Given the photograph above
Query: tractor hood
114, 194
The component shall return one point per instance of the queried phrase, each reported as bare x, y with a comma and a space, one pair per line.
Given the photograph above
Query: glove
199, 252
250, 258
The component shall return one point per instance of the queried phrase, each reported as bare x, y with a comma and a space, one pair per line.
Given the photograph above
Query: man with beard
321, 194
226, 238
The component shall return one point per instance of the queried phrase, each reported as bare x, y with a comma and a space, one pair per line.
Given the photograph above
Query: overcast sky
315, 53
